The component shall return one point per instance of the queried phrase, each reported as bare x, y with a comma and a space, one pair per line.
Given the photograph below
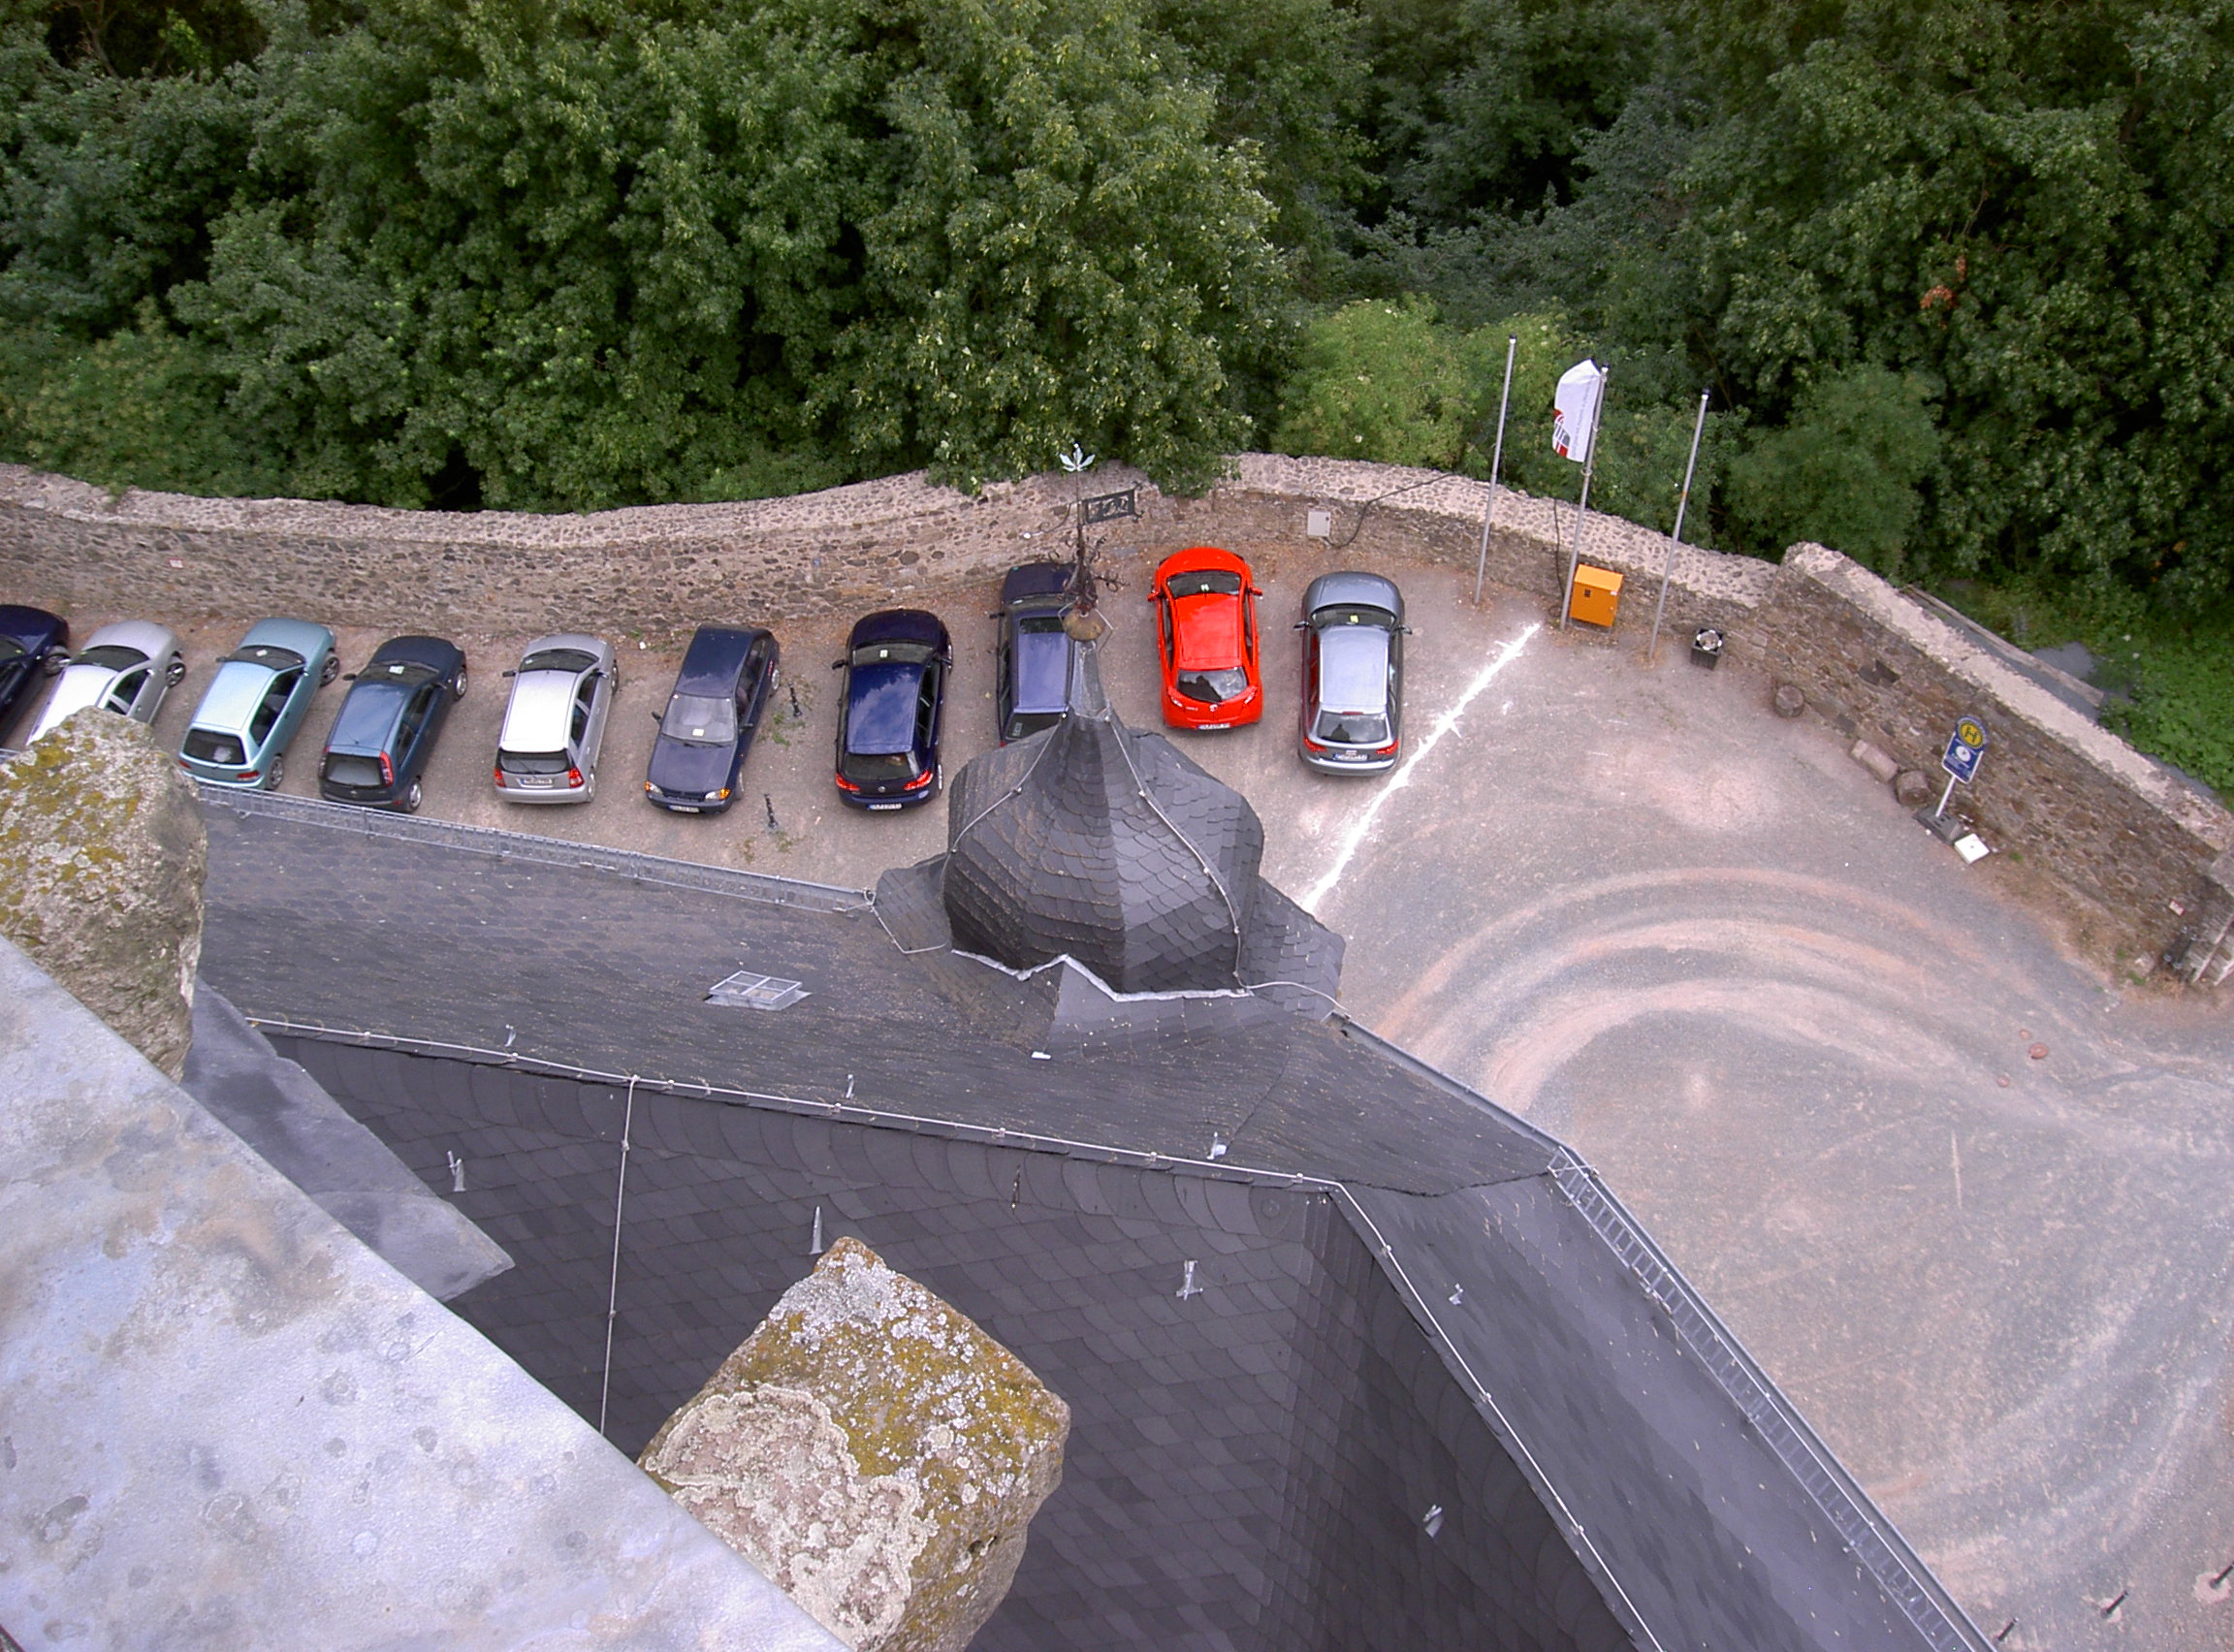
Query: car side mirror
349, 676
1300, 625
510, 673
1254, 592
995, 615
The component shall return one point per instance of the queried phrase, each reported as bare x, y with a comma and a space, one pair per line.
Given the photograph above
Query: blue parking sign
1965, 746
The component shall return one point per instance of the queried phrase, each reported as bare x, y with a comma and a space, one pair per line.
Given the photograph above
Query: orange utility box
1597, 595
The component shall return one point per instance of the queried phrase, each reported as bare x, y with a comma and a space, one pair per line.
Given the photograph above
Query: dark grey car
1353, 703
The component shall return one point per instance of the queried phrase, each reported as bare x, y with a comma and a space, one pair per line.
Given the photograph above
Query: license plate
532, 781
684, 807
1349, 756
1207, 728
883, 806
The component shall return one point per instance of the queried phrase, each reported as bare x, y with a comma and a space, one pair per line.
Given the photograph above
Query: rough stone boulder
102, 856
874, 1452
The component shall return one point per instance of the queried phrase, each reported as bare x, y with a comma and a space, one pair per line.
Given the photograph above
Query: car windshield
410, 671
1354, 614
208, 746
874, 768
1213, 687
1351, 728
572, 662
900, 654
1204, 581
1025, 723
268, 655
11, 648
701, 719
112, 657
1038, 624
533, 762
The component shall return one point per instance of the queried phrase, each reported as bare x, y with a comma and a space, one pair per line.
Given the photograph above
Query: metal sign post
1583, 505
1496, 467
1668, 568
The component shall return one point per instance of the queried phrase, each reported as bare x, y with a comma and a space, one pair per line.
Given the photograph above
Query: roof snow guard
1107, 846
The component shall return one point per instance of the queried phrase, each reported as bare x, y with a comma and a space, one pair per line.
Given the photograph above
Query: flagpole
1496, 464
1583, 505
1668, 568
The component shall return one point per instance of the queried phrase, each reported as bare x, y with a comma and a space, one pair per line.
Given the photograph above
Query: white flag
1575, 410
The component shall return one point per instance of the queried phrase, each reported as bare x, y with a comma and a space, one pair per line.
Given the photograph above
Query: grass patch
2170, 681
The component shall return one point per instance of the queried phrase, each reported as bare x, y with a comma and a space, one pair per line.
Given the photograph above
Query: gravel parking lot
1963, 1195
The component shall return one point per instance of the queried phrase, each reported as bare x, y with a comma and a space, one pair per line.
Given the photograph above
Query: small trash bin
1706, 648
1596, 597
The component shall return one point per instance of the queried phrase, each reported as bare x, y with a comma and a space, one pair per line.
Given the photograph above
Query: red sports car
1206, 637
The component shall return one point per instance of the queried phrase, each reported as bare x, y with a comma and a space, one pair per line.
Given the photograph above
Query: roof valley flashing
1302, 1296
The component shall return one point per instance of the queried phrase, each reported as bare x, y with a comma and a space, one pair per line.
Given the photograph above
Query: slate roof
1404, 1300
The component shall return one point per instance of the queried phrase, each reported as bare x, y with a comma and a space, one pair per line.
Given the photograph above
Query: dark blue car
721, 695
890, 709
1032, 671
33, 644
386, 728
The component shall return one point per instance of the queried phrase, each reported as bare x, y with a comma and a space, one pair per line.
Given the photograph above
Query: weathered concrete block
1874, 759
1913, 787
874, 1452
102, 857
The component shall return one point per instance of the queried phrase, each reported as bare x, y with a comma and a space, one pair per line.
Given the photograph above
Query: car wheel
175, 673
330, 670
457, 684
278, 773
413, 798
56, 661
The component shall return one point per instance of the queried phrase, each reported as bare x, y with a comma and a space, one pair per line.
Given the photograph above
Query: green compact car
256, 702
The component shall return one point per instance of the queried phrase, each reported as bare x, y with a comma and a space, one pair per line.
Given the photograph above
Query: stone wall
2118, 844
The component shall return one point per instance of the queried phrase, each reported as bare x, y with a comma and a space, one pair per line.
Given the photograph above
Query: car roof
150, 639
368, 715
1030, 580
1354, 668
898, 625
432, 651
714, 657
1042, 672
300, 635
1367, 590
880, 707
536, 719
1196, 557
233, 695
1209, 628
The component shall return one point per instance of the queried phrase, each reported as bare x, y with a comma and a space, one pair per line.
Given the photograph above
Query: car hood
1209, 631
680, 766
78, 688
881, 707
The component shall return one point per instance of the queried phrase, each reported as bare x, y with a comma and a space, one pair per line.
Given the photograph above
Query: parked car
126, 668
554, 723
387, 726
721, 695
256, 702
1206, 639
1033, 655
891, 707
33, 642
1352, 716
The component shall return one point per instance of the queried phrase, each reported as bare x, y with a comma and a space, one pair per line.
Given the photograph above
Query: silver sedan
125, 668
1353, 708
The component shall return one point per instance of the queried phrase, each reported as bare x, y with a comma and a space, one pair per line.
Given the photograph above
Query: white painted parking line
1402, 777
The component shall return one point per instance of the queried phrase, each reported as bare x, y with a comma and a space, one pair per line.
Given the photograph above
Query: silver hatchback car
554, 723
1353, 707
126, 668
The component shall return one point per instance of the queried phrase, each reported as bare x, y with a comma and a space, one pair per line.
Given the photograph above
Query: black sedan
721, 695
33, 644
386, 729
890, 710
1032, 676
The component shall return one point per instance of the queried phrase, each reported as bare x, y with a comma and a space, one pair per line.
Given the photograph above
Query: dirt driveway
1967, 1201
